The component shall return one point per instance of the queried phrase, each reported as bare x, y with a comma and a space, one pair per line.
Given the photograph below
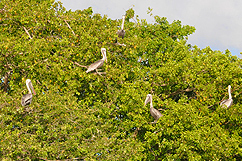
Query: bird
27, 98
121, 32
99, 63
228, 102
154, 112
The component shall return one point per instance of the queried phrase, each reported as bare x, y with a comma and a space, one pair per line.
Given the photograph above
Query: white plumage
99, 63
228, 102
27, 98
154, 112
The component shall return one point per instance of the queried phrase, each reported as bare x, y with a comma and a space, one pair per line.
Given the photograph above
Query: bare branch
45, 60
38, 82
213, 105
5, 83
27, 32
99, 72
136, 22
80, 65
188, 89
70, 28
120, 44
117, 43
178, 92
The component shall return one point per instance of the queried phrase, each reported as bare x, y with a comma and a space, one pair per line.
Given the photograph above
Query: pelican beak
31, 86
103, 50
147, 100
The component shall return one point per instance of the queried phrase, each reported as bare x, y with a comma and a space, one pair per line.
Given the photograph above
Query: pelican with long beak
121, 32
27, 98
154, 112
99, 63
228, 102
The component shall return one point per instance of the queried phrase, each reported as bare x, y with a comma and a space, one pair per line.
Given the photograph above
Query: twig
70, 28
178, 92
155, 121
100, 73
157, 131
136, 22
38, 82
116, 43
211, 106
80, 65
120, 44
110, 104
27, 32
5, 83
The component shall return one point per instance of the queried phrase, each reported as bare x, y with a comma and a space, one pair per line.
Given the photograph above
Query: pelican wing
26, 99
226, 103
155, 113
95, 65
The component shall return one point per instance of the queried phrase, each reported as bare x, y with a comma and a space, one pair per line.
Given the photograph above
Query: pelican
154, 112
121, 32
227, 103
27, 98
98, 63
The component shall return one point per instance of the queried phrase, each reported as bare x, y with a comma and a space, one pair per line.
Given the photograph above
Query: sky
218, 23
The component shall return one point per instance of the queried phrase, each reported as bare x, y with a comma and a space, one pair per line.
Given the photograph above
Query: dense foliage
76, 115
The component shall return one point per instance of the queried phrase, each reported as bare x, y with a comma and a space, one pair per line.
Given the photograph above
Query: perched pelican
98, 63
154, 112
121, 32
27, 98
227, 103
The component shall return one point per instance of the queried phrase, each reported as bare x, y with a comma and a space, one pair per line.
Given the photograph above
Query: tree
76, 115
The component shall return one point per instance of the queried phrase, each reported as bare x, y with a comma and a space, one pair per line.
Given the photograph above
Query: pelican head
103, 51
123, 18
30, 86
148, 99
229, 87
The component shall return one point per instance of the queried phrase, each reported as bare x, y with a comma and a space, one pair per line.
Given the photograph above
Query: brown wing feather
155, 113
226, 103
26, 99
95, 65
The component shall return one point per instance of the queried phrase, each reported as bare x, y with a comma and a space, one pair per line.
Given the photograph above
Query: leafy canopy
76, 115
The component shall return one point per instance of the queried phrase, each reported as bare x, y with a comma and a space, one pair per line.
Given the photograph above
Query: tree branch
80, 65
5, 83
117, 43
178, 92
27, 32
70, 28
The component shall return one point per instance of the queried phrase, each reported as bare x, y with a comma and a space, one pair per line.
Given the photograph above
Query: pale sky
218, 23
